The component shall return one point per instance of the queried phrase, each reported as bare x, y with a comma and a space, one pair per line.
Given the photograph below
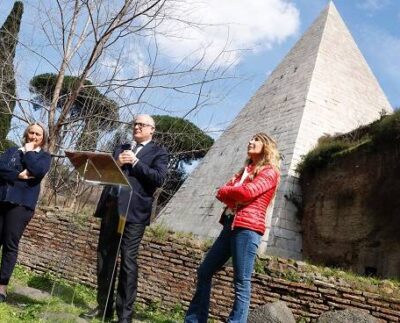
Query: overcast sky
257, 34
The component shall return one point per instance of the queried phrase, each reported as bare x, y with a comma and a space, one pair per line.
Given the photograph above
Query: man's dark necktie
137, 148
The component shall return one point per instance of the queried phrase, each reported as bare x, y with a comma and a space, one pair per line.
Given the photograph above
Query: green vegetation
5, 144
308, 273
386, 131
152, 313
259, 266
323, 154
384, 287
160, 232
293, 276
96, 110
68, 299
373, 137
185, 143
183, 139
67, 302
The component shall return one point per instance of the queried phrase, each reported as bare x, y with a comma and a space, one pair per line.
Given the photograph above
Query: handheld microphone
129, 146
126, 146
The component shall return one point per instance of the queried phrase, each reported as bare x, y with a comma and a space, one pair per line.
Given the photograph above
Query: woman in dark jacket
246, 196
21, 171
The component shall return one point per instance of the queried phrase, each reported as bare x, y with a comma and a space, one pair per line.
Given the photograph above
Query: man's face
143, 129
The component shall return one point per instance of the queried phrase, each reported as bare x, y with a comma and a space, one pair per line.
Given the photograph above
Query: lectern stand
97, 168
101, 168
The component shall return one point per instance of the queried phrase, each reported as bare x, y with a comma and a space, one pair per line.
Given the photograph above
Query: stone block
346, 316
277, 312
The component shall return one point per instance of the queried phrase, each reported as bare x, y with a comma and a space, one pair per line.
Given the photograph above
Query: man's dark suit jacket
145, 177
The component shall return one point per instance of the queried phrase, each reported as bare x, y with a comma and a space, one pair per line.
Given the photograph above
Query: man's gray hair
148, 116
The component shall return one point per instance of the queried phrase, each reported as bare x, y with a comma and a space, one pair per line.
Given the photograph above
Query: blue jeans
241, 245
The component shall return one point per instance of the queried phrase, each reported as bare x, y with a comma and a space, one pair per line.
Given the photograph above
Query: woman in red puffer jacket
246, 196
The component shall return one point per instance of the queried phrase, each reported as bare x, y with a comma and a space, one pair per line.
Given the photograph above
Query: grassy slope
69, 299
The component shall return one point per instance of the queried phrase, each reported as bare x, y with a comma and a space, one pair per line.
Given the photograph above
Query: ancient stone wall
67, 247
351, 212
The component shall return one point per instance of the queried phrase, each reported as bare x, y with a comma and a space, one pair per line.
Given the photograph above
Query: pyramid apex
331, 6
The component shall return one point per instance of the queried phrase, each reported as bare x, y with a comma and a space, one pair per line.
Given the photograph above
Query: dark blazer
20, 191
145, 177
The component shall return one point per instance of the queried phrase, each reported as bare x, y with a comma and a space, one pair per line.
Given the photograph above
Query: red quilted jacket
250, 200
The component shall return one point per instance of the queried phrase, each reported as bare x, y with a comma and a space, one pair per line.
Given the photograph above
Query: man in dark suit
146, 167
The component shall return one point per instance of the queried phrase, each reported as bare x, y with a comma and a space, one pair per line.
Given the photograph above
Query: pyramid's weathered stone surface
323, 86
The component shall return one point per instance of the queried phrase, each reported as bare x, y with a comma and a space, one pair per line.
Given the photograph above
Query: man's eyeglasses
142, 125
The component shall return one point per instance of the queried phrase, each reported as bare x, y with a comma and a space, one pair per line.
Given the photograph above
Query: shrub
158, 232
322, 154
387, 130
5, 144
259, 266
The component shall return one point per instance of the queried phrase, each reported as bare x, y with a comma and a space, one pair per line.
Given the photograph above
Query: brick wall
65, 246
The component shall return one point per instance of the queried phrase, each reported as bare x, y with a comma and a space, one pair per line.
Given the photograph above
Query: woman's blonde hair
270, 155
45, 134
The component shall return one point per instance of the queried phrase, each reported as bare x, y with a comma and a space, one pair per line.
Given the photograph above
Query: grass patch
383, 287
259, 266
65, 300
327, 149
160, 232
307, 273
68, 301
293, 276
154, 313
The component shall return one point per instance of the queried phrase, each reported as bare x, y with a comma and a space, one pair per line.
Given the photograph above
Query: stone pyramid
322, 86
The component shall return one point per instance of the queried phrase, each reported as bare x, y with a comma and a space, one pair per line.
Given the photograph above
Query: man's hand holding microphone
127, 156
